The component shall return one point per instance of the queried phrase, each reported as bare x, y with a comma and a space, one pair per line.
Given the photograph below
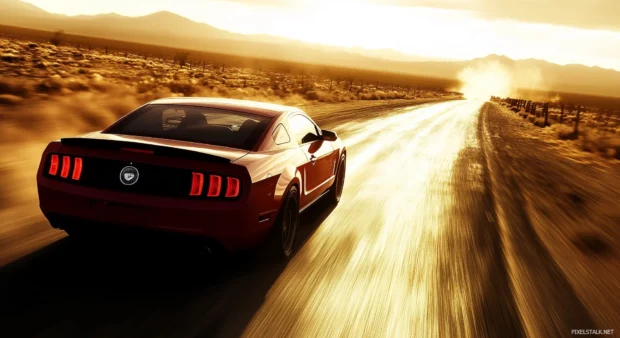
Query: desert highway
425, 243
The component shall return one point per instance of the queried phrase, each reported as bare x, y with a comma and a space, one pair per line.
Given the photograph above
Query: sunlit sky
559, 31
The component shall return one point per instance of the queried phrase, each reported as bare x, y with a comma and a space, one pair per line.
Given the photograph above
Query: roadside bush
57, 38
8, 99
540, 122
185, 88
565, 132
14, 87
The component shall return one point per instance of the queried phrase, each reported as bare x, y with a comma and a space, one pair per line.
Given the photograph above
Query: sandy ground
572, 199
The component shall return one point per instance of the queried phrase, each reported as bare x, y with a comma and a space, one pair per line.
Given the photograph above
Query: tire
281, 241
73, 232
335, 192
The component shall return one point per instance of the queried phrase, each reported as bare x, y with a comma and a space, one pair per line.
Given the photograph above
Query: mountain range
172, 30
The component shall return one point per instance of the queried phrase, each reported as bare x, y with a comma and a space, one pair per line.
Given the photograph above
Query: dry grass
46, 87
565, 132
540, 122
599, 131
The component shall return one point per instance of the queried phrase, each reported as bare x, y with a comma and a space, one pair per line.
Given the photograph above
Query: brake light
54, 165
232, 189
215, 185
77, 168
197, 182
66, 166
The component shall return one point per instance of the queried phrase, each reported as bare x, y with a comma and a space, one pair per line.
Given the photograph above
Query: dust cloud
494, 78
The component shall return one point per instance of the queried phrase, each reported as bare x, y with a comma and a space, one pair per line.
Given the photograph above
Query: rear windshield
194, 124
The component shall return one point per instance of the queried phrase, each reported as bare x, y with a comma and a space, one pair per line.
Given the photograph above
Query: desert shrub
8, 57
8, 99
531, 118
185, 88
57, 38
14, 87
51, 85
77, 85
312, 96
540, 122
565, 132
590, 140
611, 147
182, 57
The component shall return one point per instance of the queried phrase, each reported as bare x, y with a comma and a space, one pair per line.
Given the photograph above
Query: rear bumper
235, 225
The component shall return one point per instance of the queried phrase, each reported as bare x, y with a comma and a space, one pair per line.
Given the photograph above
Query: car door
317, 171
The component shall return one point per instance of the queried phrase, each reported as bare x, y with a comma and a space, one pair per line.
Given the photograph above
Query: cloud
586, 14
591, 14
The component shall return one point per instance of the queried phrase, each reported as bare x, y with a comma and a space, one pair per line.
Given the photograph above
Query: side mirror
310, 137
329, 135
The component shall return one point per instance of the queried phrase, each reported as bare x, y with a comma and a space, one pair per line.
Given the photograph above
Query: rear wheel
73, 232
281, 241
335, 192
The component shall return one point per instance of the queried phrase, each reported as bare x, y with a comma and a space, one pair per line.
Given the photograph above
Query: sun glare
485, 81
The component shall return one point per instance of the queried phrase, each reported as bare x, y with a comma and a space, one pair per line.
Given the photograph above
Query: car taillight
215, 185
66, 166
232, 189
53, 165
77, 168
197, 183
215, 188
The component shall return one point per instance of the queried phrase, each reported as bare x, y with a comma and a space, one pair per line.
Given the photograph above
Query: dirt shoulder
572, 200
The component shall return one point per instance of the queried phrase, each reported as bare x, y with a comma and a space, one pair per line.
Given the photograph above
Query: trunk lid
173, 148
160, 167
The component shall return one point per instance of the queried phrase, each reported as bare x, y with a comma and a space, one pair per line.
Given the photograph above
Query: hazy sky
560, 31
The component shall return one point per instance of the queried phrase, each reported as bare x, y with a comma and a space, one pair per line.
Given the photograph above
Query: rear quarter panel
273, 172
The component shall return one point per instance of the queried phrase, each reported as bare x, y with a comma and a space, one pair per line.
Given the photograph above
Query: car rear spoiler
142, 147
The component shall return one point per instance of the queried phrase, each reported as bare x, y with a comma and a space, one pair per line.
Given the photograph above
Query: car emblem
129, 175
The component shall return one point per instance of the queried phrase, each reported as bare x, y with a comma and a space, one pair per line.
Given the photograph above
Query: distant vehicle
230, 171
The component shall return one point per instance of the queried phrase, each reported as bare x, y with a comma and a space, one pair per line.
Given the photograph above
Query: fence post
562, 113
577, 121
546, 113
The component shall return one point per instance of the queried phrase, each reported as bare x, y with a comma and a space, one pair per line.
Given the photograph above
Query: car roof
244, 106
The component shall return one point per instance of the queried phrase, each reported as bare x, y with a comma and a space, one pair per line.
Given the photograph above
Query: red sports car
230, 171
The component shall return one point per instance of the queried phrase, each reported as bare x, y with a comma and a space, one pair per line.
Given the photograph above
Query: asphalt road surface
417, 248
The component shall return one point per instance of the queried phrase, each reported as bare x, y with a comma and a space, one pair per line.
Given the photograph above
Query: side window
280, 135
303, 129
